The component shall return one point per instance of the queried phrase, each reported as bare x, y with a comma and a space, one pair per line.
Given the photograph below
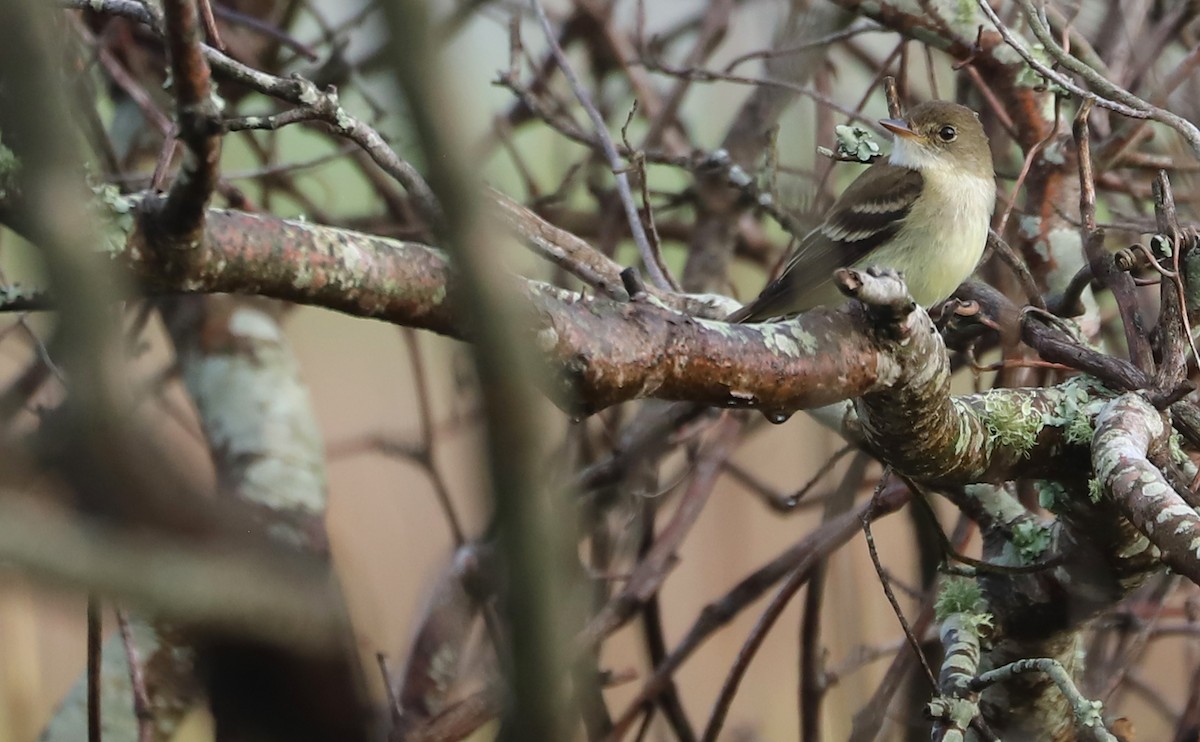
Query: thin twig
825, 40
1103, 267
196, 116
1118, 99
297, 91
652, 570
1017, 265
887, 588
423, 392
610, 152
94, 654
142, 709
1028, 163
210, 24
798, 557
838, 504
892, 93
1173, 323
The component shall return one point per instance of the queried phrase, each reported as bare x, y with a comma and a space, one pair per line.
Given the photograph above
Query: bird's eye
947, 133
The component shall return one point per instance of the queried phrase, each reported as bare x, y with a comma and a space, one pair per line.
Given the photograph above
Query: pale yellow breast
943, 237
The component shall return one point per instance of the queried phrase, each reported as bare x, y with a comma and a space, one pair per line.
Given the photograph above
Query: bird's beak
899, 128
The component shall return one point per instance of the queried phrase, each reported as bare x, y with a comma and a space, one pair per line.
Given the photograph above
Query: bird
925, 212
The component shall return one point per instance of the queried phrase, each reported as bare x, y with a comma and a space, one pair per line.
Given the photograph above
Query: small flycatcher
924, 213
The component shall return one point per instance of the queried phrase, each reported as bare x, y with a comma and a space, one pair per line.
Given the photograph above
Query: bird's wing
867, 214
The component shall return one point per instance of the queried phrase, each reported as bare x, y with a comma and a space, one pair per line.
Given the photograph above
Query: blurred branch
608, 352
533, 547
222, 588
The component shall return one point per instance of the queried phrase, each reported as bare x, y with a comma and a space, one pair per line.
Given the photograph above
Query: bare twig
1111, 96
841, 501
196, 117
649, 574
913, 642
210, 24
1017, 265
1103, 268
1174, 334
95, 642
799, 557
893, 97
137, 681
428, 440
1027, 163
647, 252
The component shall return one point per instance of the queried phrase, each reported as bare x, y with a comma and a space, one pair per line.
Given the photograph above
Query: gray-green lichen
1175, 448
808, 341
10, 169
1054, 153
855, 142
438, 297
1031, 539
1029, 226
958, 711
1079, 401
1066, 246
1095, 490
1011, 421
958, 595
786, 338
116, 216
1090, 713
1050, 493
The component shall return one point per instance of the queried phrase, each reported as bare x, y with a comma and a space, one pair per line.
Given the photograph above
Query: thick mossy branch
1126, 431
956, 705
602, 352
992, 437
1087, 713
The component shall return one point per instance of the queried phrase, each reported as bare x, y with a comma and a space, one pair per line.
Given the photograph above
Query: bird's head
941, 135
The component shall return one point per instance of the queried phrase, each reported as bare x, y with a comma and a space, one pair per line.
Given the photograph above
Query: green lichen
1050, 493
1071, 413
966, 12
959, 595
1161, 246
1031, 539
1079, 401
1080, 430
1175, 447
1011, 421
1095, 490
